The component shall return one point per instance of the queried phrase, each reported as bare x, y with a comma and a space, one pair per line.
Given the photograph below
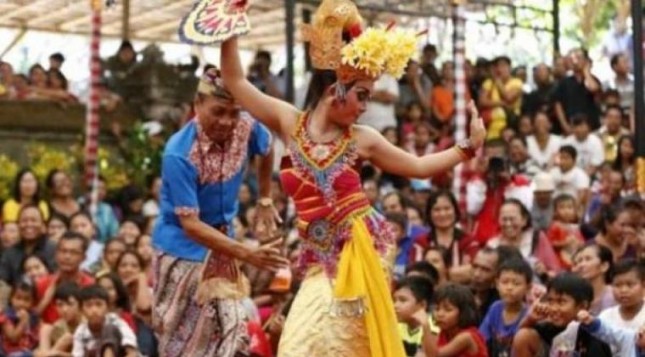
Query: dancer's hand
477, 127
266, 256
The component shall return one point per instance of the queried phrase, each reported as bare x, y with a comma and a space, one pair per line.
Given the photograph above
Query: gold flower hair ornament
375, 52
337, 42
378, 51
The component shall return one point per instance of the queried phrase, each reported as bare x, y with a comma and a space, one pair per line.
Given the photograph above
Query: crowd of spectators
548, 211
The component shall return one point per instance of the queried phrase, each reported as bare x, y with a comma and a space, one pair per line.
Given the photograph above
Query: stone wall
50, 123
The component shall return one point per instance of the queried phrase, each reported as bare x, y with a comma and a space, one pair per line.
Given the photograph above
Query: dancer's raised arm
272, 112
397, 161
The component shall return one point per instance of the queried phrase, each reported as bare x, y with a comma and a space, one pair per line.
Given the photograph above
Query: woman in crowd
443, 215
516, 231
543, 146
37, 82
593, 263
61, 194
26, 190
129, 267
625, 160
615, 229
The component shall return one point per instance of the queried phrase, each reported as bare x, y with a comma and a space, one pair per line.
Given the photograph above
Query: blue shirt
106, 222
200, 177
497, 334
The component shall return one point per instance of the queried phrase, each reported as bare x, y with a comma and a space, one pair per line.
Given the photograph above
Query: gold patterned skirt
310, 330
354, 317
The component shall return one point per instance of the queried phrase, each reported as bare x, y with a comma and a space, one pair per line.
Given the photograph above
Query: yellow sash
361, 275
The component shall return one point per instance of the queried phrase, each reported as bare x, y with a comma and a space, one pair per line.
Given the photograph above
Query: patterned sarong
188, 321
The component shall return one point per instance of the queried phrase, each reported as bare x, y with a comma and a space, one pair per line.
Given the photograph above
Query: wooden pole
461, 115
125, 25
15, 41
93, 120
290, 29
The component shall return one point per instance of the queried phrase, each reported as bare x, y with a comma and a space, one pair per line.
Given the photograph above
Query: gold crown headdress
367, 55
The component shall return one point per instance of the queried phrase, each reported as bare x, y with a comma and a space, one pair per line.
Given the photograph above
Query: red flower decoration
355, 30
237, 5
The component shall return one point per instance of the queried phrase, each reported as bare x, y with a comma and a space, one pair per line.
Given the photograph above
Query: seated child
102, 333
568, 177
502, 321
564, 232
423, 269
628, 286
550, 329
408, 251
412, 303
57, 339
457, 317
20, 325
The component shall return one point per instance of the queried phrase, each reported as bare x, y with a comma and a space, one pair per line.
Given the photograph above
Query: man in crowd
578, 93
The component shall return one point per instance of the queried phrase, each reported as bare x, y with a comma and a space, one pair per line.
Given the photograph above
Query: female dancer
344, 306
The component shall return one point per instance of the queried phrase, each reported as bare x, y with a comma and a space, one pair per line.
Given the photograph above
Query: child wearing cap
542, 211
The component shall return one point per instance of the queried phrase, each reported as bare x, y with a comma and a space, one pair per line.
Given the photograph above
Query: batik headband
211, 84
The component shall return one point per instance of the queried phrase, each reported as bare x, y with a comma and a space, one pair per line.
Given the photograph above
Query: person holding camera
486, 192
261, 77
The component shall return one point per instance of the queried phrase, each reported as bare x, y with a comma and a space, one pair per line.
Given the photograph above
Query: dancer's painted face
218, 117
347, 113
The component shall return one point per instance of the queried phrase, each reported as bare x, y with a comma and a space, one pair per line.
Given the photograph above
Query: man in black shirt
485, 265
578, 93
540, 98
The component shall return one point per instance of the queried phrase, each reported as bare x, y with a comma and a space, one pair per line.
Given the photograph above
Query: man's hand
266, 257
276, 325
267, 219
585, 318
